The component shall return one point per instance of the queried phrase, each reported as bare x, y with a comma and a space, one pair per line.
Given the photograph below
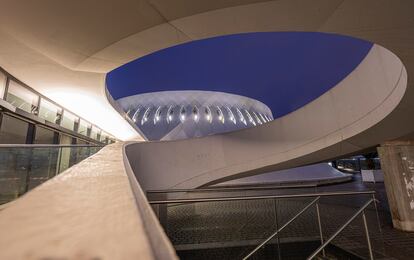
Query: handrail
263, 187
304, 195
361, 210
281, 228
247, 187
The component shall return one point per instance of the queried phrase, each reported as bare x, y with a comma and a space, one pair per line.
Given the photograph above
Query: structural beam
397, 162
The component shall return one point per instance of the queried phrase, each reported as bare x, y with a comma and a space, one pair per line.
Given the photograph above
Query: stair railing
361, 210
315, 202
281, 228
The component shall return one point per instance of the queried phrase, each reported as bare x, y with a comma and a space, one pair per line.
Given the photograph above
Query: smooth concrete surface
87, 212
316, 174
397, 162
337, 123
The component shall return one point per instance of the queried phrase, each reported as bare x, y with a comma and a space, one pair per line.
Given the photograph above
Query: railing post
371, 256
376, 212
59, 160
279, 257
320, 226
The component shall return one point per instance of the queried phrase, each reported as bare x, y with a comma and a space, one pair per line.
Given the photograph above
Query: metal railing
314, 202
332, 237
329, 240
281, 228
238, 188
289, 196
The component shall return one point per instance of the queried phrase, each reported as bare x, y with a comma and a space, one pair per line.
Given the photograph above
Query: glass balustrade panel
94, 133
24, 168
83, 127
49, 111
3, 79
21, 97
68, 120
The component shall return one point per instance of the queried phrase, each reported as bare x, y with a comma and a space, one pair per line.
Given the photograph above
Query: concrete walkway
87, 212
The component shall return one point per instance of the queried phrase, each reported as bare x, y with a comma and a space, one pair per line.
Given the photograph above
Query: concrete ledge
87, 212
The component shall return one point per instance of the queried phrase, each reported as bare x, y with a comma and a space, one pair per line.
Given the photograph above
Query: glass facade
83, 127
23, 168
13, 130
68, 120
94, 133
21, 97
43, 166
20, 129
44, 136
3, 80
80, 141
103, 137
65, 152
49, 111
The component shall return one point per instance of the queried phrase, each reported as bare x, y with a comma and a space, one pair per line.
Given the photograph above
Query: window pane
94, 132
21, 97
103, 136
80, 141
65, 139
49, 111
13, 130
65, 152
68, 120
83, 127
14, 167
43, 164
2, 84
44, 136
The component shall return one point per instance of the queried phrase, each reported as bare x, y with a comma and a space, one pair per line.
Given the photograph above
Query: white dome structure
171, 115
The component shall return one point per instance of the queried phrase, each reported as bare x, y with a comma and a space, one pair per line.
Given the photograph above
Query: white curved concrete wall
318, 131
312, 175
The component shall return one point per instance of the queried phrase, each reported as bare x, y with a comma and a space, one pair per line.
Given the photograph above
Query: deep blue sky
284, 70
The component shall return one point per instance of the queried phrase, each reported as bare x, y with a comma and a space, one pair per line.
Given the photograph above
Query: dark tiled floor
243, 224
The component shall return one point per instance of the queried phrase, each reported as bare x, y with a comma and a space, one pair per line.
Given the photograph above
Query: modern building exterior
350, 94
31, 118
172, 115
